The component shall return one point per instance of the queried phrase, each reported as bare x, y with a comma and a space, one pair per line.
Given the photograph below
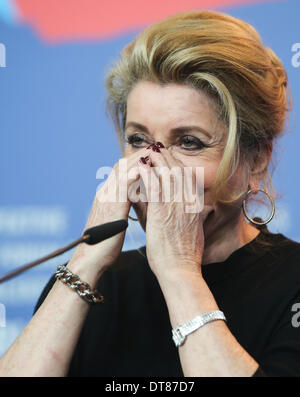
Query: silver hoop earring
133, 219
252, 220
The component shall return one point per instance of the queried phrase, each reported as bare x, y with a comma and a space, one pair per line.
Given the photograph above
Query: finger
154, 154
193, 177
172, 160
133, 159
127, 168
124, 172
170, 176
164, 173
167, 159
150, 183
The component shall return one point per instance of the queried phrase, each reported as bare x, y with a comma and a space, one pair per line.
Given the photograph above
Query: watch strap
180, 333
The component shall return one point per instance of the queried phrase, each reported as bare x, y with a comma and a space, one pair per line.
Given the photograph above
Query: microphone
91, 236
102, 232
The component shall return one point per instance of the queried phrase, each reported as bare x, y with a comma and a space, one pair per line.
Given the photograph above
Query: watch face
178, 338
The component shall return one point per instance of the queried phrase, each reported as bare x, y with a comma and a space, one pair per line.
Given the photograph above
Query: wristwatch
180, 333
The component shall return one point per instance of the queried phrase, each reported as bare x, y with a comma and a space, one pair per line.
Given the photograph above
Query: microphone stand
43, 259
91, 236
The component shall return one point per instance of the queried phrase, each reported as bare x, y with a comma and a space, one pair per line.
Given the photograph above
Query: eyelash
131, 139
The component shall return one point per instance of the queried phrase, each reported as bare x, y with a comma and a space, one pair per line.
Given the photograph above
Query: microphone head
105, 231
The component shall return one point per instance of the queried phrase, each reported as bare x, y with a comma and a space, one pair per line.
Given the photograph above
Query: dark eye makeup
186, 142
136, 140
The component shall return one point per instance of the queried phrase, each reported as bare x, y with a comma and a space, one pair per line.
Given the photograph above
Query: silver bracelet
73, 281
180, 333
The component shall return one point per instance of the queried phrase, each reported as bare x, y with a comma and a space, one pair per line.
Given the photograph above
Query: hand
93, 260
174, 237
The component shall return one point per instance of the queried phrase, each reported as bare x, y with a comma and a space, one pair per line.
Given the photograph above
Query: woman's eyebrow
138, 126
190, 128
176, 130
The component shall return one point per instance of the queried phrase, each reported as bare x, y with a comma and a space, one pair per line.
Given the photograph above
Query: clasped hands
174, 227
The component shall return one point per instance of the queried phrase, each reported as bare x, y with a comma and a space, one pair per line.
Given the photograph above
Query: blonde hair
224, 57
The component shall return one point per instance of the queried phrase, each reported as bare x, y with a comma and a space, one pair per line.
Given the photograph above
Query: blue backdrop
55, 135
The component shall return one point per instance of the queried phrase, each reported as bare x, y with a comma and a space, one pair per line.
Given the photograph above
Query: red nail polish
147, 158
155, 149
142, 160
159, 145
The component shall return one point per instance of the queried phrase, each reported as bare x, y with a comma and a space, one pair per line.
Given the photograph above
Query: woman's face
185, 121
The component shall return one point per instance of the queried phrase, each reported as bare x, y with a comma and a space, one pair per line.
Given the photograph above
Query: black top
130, 334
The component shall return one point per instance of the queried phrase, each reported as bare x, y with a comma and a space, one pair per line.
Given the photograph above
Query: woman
198, 90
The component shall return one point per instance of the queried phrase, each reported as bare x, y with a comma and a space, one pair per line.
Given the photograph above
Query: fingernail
159, 145
147, 158
142, 160
155, 149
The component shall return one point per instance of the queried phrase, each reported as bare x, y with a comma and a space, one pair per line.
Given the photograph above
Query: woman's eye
186, 142
136, 140
191, 143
